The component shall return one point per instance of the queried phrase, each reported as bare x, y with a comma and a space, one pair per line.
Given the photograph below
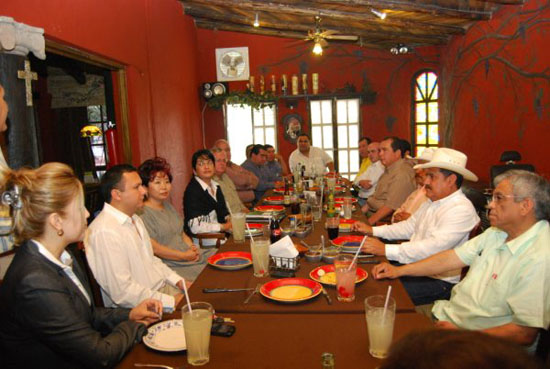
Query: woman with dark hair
165, 225
47, 317
203, 201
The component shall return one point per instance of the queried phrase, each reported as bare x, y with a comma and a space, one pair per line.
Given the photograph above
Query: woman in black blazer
47, 316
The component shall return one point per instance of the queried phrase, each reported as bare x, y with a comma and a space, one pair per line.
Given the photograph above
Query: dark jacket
198, 203
46, 322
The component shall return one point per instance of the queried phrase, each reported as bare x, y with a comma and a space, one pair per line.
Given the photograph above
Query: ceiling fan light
256, 21
403, 49
394, 50
317, 48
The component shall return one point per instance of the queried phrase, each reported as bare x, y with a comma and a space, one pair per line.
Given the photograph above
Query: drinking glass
238, 221
332, 227
260, 256
348, 207
197, 325
317, 211
345, 270
331, 183
379, 324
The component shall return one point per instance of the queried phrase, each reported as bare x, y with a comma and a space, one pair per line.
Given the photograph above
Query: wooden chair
209, 236
94, 286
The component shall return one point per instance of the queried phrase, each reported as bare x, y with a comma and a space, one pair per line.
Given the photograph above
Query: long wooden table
276, 335
275, 341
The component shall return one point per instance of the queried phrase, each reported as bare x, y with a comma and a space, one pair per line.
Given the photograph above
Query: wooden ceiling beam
302, 9
403, 35
364, 41
421, 6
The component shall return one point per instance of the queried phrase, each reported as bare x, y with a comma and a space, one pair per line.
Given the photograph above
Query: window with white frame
335, 127
247, 126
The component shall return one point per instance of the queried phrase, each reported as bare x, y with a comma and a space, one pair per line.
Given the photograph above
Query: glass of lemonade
260, 257
346, 271
197, 325
380, 325
238, 221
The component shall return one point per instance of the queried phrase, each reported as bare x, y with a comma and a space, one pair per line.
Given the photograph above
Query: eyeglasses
500, 197
204, 163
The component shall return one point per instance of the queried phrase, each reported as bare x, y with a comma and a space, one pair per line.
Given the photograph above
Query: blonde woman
47, 316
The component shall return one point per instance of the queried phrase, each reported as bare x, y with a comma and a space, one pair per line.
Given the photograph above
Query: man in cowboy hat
506, 291
441, 223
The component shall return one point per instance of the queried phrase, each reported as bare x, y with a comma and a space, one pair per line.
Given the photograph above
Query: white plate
166, 336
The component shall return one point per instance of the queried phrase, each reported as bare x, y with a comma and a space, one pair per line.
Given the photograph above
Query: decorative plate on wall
232, 64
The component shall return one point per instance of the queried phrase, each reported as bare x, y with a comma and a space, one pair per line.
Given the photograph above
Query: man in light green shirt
506, 292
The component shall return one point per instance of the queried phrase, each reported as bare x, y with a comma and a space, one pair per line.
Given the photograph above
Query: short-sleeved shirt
508, 282
394, 186
315, 163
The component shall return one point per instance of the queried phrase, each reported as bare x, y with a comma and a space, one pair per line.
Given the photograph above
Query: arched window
425, 132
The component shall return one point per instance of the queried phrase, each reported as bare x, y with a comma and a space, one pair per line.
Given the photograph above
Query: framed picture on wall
232, 64
292, 124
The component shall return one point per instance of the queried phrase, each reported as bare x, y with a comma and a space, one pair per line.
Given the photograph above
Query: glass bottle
327, 360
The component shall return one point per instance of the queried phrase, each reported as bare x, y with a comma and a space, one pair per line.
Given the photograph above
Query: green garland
243, 98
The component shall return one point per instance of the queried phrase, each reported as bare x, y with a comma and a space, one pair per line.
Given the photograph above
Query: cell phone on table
222, 329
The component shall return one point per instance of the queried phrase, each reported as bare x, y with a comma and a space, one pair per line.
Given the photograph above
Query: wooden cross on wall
28, 76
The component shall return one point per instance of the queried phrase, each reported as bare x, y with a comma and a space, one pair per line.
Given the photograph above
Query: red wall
496, 85
157, 43
388, 75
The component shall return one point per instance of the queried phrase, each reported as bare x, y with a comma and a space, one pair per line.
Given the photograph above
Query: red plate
282, 190
345, 224
269, 208
341, 200
274, 199
290, 290
255, 225
348, 241
361, 274
231, 260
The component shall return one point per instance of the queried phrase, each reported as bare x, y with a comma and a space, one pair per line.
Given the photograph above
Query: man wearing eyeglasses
256, 164
442, 222
506, 292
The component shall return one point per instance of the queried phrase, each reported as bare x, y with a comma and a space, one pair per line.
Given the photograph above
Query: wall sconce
379, 14
90, 131
256, 21
399, 49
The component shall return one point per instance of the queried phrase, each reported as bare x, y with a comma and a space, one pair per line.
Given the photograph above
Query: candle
262, 85
273, 84
251, 83
294, 84
304, 83
284, 85
315, 83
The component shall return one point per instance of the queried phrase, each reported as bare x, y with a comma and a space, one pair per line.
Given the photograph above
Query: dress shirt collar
396, 166
523, 239
205, 186
120, 216
66, 260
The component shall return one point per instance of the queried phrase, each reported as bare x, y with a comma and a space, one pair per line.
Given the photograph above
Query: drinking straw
357, 253
187, 297
386, 304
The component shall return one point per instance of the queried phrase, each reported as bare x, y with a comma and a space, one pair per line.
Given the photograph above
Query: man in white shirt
368, 180
443, 222
119, 251
314, 159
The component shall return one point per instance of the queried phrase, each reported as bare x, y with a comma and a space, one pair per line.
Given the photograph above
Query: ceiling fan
320, 36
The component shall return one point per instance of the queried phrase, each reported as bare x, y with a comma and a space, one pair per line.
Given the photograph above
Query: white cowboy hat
426, 155
449, 159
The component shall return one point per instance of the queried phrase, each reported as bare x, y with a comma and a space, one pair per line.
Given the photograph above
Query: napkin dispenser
283, 258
